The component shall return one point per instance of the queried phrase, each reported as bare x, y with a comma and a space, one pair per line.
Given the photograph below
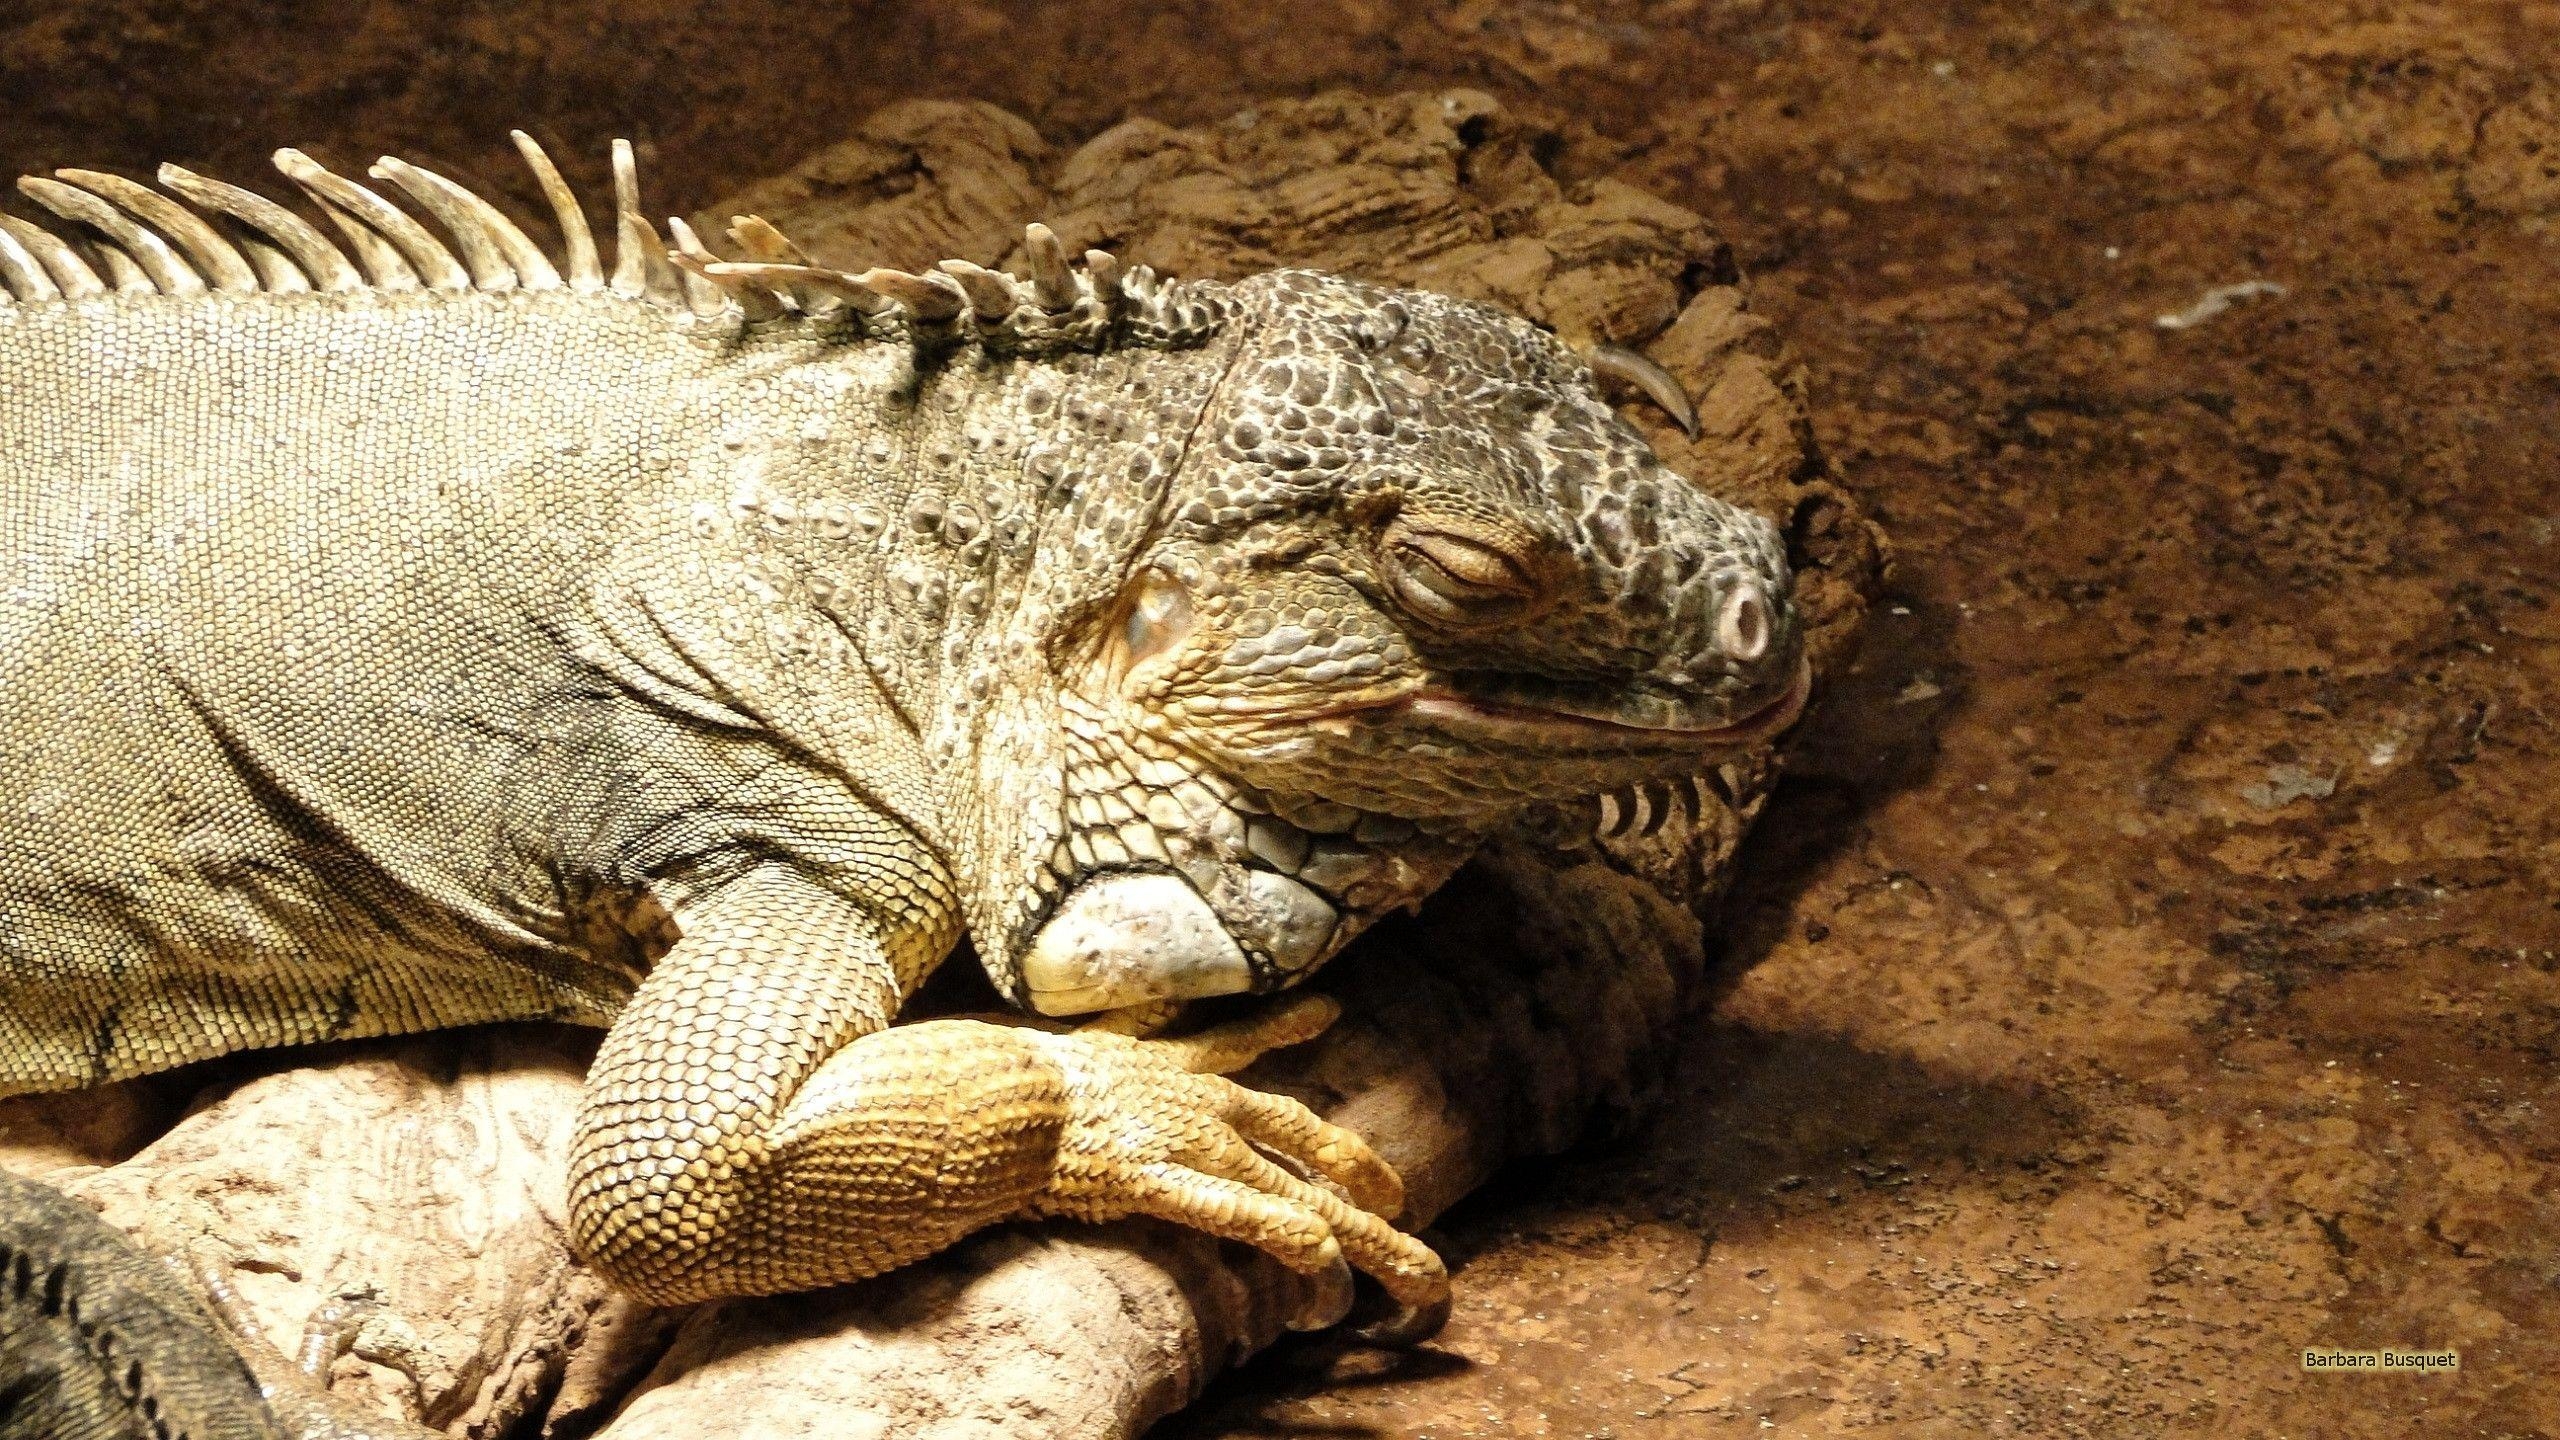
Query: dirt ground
2149, 969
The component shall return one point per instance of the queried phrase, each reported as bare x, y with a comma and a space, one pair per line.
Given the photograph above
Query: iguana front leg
754, 1125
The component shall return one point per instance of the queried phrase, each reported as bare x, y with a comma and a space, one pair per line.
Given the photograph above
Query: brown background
2150, 969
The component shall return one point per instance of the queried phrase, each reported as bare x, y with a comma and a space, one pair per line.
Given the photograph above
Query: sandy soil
2149, 970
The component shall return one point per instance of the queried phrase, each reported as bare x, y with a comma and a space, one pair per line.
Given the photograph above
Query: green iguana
415, 627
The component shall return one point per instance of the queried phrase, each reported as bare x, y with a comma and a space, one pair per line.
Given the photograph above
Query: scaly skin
706, 661
97, 1341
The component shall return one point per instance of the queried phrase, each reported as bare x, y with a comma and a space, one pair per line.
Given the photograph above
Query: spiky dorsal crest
1061, 306
123, 237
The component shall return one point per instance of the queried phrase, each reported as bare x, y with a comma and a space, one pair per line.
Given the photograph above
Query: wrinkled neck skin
909, 569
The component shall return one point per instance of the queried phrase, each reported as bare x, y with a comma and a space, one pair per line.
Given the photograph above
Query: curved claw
296, 1386
1138, 1022
1327, 1299
1147, 1136
1659, 385
1225, 1049
329, 1331
1411, 1325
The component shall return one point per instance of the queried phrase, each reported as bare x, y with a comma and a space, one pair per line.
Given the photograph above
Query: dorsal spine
120, 236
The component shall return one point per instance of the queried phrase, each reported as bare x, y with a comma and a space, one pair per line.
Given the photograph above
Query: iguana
407, 625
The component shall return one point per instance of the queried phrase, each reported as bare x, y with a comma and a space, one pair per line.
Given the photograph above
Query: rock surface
420, 1175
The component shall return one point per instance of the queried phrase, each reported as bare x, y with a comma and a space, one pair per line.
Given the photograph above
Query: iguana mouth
1547, 726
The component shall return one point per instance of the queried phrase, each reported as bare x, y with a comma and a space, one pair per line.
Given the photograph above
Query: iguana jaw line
1542, 726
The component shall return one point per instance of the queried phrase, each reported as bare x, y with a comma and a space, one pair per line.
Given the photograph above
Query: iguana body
414, 635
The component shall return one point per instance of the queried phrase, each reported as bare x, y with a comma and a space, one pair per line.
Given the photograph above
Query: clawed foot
297, 1388
1155, 1128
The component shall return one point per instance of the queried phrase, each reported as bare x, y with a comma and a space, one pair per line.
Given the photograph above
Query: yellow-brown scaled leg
1276, 1122
751, 1127
1404, 1265
1179, 1146
1225, 1049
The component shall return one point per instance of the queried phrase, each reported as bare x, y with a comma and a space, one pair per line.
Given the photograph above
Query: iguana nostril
1742, 626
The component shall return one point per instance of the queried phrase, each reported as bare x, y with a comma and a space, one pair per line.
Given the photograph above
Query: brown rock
421, 1173
919, 181
55, 1135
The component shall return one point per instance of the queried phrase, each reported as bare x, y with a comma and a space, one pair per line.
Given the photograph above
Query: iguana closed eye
407, 624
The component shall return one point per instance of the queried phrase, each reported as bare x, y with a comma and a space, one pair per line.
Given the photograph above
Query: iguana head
1410, 575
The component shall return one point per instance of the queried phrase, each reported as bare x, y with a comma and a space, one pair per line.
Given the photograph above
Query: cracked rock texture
2147, 968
